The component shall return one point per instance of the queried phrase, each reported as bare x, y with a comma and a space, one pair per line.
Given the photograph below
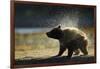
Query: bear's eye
53, 31
56, 31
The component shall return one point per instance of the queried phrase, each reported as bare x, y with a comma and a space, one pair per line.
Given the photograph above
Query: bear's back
72, 33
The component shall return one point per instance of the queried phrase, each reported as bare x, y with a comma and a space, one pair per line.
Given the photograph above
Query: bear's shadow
57, 60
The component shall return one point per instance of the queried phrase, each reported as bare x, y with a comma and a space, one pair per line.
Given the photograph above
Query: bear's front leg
70, 52
61, 50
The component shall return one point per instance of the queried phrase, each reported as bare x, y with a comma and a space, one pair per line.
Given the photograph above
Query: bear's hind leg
76, 52
84, 48
84, 51
70, 52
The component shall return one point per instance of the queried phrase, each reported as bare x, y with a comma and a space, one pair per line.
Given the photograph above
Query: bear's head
55, 33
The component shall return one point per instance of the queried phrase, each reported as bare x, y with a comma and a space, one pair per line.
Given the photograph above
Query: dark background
45, 16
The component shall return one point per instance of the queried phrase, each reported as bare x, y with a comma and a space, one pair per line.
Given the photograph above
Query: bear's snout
47, 33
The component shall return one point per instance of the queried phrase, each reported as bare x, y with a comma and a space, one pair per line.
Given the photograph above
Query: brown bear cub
70, 38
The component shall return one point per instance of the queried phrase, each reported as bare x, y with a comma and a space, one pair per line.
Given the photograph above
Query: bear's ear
59, 26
